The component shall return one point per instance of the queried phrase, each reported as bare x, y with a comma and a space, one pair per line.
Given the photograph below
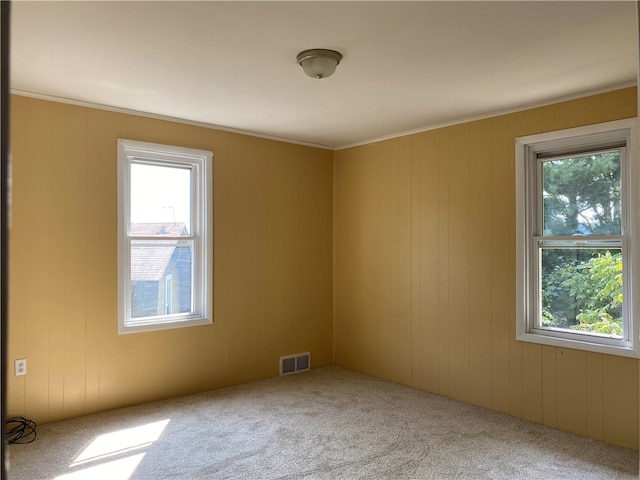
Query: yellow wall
272, 272
424, 269
425, 275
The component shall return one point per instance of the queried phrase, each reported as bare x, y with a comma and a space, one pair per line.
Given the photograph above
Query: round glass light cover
319, 67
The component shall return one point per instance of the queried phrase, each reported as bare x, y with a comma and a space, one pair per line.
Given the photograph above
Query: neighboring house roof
149, 263
168, 229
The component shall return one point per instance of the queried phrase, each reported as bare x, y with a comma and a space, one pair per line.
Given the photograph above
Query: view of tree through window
581, 282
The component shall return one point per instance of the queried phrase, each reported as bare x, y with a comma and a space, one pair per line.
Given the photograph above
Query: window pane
160, 200
161, 279
582, 195
582, 290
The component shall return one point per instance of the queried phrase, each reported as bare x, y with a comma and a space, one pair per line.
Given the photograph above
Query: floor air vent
295, 363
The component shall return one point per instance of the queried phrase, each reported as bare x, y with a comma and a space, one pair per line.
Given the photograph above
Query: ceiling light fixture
318, 62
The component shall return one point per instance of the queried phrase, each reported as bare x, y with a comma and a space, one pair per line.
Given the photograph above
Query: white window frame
200, 164
576, 140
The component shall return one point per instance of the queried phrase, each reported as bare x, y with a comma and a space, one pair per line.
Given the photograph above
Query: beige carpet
329, 423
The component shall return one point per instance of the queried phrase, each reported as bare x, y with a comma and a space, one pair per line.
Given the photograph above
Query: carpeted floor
329, 423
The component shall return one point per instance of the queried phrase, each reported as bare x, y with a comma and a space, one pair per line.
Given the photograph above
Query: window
164, 248
577, 253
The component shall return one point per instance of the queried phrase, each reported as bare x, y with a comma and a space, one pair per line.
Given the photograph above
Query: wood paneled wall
425, 275
272, 272
424, 269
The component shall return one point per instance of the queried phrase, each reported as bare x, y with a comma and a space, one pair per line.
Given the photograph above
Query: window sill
150, 327
576, 344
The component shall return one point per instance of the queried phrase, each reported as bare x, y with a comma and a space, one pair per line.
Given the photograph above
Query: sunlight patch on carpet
97, 460
121, 469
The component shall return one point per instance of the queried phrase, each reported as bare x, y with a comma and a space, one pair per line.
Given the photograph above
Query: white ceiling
407, 65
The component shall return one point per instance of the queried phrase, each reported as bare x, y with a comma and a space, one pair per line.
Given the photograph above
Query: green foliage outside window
585, 295
582, 287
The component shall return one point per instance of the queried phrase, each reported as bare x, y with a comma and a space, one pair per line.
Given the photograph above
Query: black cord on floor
21, 430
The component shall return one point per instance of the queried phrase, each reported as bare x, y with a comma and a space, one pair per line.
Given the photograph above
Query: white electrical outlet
21, 366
